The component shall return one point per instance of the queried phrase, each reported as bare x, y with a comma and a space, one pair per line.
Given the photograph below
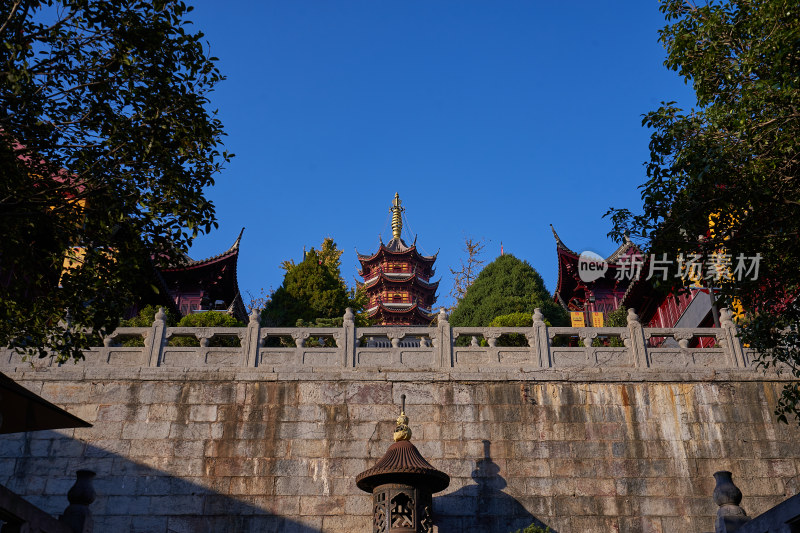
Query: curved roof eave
195, 263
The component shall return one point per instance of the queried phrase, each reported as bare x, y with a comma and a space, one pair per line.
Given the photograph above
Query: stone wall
247, 449
573, 431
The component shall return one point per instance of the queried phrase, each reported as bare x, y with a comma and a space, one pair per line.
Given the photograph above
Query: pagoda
397, 279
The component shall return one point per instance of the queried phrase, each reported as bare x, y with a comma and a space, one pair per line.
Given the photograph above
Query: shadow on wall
40, 466
482, 507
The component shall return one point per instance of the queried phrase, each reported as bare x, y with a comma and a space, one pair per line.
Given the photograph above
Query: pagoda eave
383, 312
412, 278
411, 250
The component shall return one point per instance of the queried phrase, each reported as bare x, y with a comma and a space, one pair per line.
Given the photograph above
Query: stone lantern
401, 484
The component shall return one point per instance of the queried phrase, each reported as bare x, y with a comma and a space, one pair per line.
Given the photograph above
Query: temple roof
568, 278
402, 463
216, 276
187, 262
398, 247
619, 252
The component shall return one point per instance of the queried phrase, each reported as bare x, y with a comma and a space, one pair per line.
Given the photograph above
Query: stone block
167, 412
65, 393
122, 412
104, 448
302, 430
203, 413
151, 447
369, 393
346, 523
322, 505
146, 430
188, 448
235, 466
190, 431
176, 505
300, 486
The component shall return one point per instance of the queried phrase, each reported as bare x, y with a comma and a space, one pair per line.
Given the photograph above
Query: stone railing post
77, 515
252, 341
638, 344
730, 517
445, 335
539, 341
156, 338
731, 343
348, 345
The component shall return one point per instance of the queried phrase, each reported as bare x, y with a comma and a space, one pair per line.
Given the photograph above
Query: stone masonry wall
212, 450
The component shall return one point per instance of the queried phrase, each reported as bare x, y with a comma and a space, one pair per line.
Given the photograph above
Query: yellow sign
577, 319
597, 319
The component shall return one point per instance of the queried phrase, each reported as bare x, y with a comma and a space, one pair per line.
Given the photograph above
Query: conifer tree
506, 285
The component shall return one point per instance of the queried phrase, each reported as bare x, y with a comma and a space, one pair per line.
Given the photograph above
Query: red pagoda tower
397, 280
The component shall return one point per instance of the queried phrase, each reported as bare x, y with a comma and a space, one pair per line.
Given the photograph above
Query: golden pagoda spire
402, 431
397, 219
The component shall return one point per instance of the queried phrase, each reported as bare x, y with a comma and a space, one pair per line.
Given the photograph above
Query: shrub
208, 319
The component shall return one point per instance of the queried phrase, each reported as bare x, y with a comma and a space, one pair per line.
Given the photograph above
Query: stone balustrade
413, 348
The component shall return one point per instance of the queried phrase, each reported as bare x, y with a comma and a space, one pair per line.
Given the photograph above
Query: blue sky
491, 119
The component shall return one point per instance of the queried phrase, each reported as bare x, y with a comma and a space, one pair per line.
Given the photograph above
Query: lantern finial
402, 431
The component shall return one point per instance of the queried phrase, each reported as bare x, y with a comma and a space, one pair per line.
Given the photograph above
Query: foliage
328, 254
506, 285
208, 319
513, 320
466, 274
534, 528
618, 318
723, 177
311, 290
146, 317
106, 147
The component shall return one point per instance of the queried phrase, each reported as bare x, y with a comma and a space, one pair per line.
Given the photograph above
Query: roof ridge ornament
559, 243
237, 241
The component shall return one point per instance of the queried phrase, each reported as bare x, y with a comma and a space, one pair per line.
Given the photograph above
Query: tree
464, 276
723, 178
506, 285
328, 254
106, 146
257, 302
311, 290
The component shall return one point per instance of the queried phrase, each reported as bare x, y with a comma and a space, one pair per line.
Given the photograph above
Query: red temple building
612, 290
397, 280
206, 284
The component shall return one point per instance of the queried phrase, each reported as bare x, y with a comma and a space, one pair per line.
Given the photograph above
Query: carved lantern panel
401, 509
